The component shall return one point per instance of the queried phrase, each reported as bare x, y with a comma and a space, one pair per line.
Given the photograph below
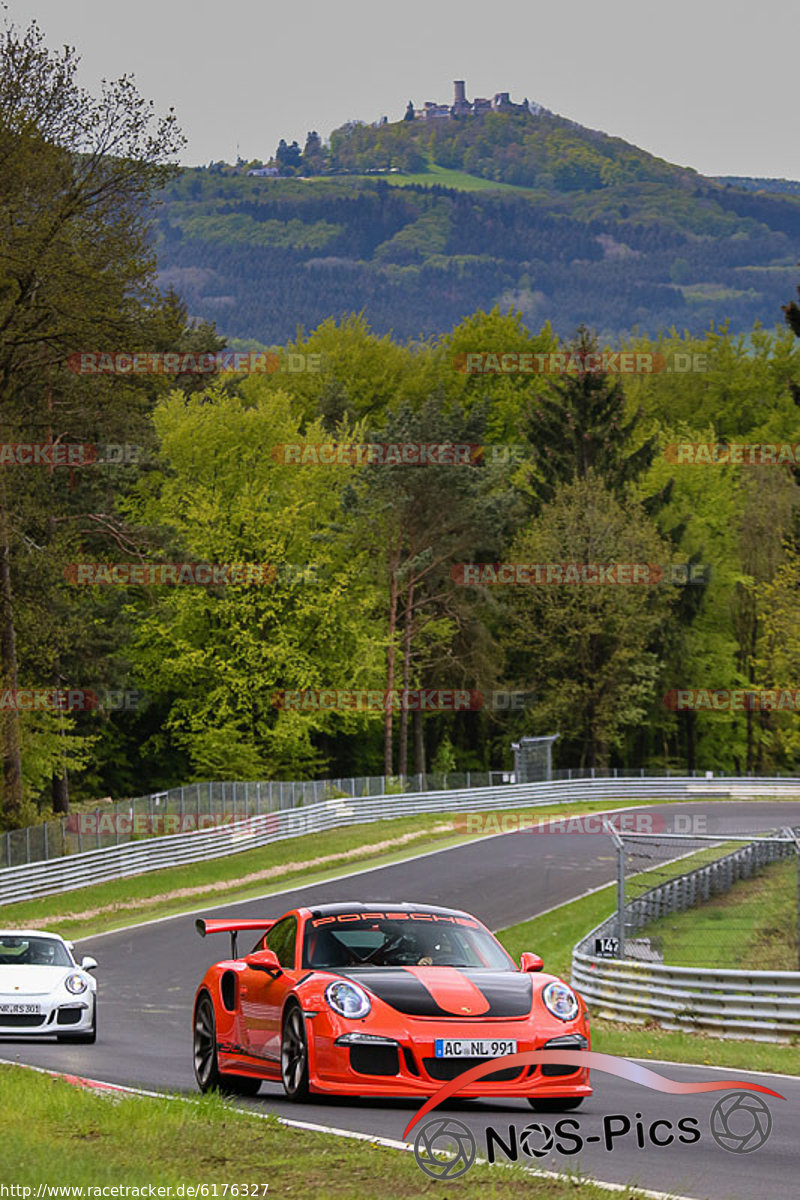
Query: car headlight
76, 984
348, 999
561, 1001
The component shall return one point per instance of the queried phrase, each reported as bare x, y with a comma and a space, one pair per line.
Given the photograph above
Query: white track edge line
355, 1134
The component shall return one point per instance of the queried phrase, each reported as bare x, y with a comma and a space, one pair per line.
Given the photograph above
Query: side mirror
530, 962
88, 963
264, 960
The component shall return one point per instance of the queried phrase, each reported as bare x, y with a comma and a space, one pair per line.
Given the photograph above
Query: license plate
28, 1010
473, 1047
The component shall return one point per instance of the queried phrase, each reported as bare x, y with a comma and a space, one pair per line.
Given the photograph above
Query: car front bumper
57, 1014
404, 1063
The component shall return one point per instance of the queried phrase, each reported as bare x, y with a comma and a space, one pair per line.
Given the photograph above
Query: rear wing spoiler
205, 925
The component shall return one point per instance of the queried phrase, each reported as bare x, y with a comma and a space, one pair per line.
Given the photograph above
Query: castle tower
461, 92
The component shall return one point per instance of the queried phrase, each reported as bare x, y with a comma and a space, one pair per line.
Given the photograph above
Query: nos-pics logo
445, 1148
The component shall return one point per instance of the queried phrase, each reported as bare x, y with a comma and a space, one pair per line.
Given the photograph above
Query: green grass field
445, 177
55, 1133
753, 925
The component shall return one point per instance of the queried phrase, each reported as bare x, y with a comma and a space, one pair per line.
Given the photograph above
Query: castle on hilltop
462, 107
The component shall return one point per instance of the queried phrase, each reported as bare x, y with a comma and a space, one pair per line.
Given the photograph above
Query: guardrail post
788, 832
621, 898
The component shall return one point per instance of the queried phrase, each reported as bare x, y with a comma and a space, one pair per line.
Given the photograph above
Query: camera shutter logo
536, 1140
740, 1122
444, 1148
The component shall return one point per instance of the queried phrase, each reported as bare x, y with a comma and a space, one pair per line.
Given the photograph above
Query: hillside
419, 225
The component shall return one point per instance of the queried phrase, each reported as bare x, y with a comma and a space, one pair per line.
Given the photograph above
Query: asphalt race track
148, 975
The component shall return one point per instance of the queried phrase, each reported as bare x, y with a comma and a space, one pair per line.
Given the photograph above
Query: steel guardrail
725, 1002
200, 805
152, 854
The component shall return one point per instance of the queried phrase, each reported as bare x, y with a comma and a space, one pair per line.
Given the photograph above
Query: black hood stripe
507, 994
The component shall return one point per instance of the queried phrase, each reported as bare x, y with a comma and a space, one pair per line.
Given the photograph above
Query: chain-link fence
700, 900
533, 758
206, 806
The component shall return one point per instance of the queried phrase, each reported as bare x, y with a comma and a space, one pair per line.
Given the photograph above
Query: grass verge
553, 935
752, 925
307, 859
57, 1134
450, 178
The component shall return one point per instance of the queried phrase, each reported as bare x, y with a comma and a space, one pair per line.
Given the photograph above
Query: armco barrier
133, 858
203, 804
758, 1005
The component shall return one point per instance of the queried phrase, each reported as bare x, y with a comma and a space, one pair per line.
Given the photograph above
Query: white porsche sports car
43, 990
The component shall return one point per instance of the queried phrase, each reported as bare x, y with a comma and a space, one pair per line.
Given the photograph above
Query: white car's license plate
473, 1047
27, 1010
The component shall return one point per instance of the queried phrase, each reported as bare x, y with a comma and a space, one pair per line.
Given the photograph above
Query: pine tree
792, 313
582, 426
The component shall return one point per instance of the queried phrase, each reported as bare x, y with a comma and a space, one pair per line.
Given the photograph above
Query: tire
204, 1045
206, 1064
82, 1039
294, 1055
556, 1104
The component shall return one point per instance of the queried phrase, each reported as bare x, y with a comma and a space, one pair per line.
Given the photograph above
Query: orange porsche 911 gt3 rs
382, 1000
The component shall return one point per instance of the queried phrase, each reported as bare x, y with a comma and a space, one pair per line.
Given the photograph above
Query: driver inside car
400, 945
41, 954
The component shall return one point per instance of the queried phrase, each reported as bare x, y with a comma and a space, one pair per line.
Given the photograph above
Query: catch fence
131, 857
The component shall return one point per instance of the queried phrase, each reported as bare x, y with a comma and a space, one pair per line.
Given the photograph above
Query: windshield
18, 951
401, 940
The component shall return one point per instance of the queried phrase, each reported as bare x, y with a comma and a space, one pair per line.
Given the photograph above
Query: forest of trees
262, 256
363, 590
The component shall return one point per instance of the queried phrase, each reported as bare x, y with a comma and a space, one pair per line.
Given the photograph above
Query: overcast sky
711, 84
